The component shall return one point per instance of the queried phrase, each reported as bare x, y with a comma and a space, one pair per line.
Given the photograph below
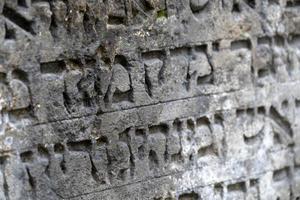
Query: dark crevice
281, 174
63, 164
87, 100
153, 160
297, 102
141, 152
94, 170
201, 48
261, 110
55, 67
2, 77
241, 186
294, 40
276, 139
152, 55
102, 141
189, 196
274, 2
161, 74
120, 59
27, 156
254, 139
263, 73
146, 5
148, 84
10, 34
216, 46
53, 27
3, 161
141, 133
180, 51
236, 8
207, 79
124, 136
132, 163
210, 77
279, 40
218, 189
281, 121
23, 3
107, 97
203, 121
43, 151
190, 125
31, 180
86, 23
115, 20
285, 105
18, 19
122, 174
188, 79
84, 145
206, 151
251, 3
59, 148
223, 4
119, 97
292, 3
67, 102
253, 182
162, 128
178, 158
20, 75
198, 6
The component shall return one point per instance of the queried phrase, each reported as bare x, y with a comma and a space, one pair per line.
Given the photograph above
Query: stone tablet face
150, 99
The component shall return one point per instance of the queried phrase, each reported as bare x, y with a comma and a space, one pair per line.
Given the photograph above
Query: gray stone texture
150, 99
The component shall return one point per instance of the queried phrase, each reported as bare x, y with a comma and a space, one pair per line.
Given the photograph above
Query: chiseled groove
153, 104
178, 173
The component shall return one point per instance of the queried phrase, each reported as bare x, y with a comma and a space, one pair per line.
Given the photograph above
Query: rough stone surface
150, 99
